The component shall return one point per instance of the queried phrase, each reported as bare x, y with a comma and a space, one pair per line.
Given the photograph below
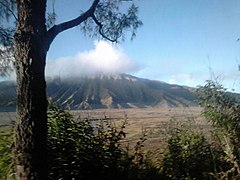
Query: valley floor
154, 122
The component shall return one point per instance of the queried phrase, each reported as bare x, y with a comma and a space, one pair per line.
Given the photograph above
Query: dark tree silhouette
32, 38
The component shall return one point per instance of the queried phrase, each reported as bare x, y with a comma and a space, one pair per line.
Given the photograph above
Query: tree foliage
6, 60
110, 24
7, 14
7, 10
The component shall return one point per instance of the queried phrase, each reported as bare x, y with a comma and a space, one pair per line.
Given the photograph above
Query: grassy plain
154, 122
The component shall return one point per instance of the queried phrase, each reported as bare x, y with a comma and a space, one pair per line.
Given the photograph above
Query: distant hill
107, 91
7, 96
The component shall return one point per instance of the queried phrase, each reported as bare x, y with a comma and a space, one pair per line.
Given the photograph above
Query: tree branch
55, 30
99, 24
9, 9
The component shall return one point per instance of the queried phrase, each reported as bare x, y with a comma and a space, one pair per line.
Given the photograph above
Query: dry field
7, 119
155, 122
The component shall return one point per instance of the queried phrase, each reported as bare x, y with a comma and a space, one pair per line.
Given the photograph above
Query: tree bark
30, 146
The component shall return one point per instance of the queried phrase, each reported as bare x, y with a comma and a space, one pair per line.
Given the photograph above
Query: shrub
83, 151
188, 156
80, 151
222, 110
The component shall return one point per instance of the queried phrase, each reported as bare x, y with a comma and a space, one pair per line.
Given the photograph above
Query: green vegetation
6, 142
80, 151
188, 155
85, 149
77, 149
223, 111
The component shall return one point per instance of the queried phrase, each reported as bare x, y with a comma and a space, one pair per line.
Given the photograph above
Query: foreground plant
222, 110
91, 150
188, 155
6, 141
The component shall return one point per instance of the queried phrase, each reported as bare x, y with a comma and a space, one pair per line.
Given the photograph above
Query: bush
80, 151
83, 151
222, 110
188, 156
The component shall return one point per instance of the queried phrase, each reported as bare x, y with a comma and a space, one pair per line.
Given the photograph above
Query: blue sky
180, 42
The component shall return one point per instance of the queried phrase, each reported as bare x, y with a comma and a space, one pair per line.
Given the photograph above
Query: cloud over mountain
104, 58
106, 91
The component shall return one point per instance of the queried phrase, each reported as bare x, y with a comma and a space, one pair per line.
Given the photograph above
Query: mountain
7, 96
107, 91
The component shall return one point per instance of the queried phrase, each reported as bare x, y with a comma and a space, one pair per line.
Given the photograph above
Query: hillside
107, 91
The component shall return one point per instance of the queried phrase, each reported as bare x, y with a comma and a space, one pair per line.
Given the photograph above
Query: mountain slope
109, 91
7, 96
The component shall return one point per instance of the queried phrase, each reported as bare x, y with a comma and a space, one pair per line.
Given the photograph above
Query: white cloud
104, 58
186, 79
229, 79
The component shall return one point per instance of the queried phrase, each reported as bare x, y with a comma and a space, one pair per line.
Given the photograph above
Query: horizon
114, 76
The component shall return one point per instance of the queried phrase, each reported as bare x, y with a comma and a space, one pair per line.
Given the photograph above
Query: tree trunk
30, 150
